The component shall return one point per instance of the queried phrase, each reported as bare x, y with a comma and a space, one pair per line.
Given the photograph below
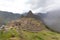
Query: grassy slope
42, 35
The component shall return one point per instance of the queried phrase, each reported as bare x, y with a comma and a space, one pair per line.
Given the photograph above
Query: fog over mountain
53, 20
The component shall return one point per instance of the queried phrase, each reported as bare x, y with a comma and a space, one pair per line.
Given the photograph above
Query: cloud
19, 6
52, 5
44, 5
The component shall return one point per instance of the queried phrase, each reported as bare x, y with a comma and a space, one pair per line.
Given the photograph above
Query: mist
52, 20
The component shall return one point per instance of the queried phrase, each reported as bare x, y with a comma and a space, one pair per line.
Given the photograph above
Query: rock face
27, 23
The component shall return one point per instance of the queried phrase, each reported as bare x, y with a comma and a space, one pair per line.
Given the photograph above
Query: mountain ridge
9, 16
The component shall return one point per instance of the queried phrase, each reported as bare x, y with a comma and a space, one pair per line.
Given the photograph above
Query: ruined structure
28, 23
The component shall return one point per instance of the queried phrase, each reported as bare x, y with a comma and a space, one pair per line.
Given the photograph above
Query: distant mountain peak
30, 14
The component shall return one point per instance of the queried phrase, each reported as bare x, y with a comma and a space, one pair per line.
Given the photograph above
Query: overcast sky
20, 6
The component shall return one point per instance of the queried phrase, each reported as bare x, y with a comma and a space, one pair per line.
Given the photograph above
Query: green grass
6, 35
42, 35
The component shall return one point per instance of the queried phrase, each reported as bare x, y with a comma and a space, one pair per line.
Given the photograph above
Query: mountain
27, 28
42, 15
28, 22
38, 16
7, 16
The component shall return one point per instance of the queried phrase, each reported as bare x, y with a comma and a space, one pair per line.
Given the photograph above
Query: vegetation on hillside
20, 34
27, 28
42, 35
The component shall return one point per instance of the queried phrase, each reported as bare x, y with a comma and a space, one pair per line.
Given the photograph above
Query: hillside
27, 28
28, 24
